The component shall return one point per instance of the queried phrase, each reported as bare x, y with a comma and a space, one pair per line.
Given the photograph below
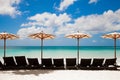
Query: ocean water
62, 52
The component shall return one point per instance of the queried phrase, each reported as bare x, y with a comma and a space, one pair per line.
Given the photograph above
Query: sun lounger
71, 63
1, 65
9, 63
110, 64
33, 63
58, 63
85, 64
21, 62
97, 63
47, 63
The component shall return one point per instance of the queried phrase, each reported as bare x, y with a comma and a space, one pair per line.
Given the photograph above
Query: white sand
59, 75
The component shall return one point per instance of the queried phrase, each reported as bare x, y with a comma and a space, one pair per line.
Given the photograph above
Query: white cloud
9, 7
63, 23
93, 1
46, 22
106, 22
48, 19
24, 32
65, 4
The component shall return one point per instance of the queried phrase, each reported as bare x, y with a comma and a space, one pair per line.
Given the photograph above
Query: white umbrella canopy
114, 36
41, 36
4, 36
78, 36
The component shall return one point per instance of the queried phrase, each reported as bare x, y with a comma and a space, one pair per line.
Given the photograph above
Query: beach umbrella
78, 36
41, 36
114, 36
4, 36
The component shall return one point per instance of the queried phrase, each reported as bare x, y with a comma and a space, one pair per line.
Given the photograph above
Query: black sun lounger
71, 63
33, 63
1, 66
47, 63
21, 62
97, 64
110, 64
85, 64
9, 63
58, 63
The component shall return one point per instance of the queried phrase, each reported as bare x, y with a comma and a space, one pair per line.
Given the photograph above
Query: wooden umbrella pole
115, 48
41, 49
4, 47
78, 51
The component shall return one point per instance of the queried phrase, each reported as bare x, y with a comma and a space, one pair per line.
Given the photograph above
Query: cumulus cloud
106, 22
63, 23
9, 7
93, 1
48, 19
46, 22
24, 32
65, 4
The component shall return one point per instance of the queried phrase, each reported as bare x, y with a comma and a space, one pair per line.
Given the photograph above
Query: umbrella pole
41, 49
115, 48
78, 51
4, 47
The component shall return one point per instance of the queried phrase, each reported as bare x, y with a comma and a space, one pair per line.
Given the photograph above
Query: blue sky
60, 17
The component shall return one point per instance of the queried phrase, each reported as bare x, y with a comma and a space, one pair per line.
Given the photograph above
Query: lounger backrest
47, 62
85, 62
58, 62
70, 61
97, 62
9, 61
33, 61
1, 64
20, 60
110, 62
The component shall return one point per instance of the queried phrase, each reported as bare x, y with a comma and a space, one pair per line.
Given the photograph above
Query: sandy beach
59, 75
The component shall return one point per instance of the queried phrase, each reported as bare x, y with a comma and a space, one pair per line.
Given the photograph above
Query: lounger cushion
58, 62
97, 62
33, 61
21, 60
9, 61
109, 62
70, 61
47, 62
85, 63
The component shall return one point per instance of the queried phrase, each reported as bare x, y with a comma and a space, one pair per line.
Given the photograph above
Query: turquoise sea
61, 51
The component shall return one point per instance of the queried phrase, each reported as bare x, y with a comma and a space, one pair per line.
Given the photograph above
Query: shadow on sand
32, 72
